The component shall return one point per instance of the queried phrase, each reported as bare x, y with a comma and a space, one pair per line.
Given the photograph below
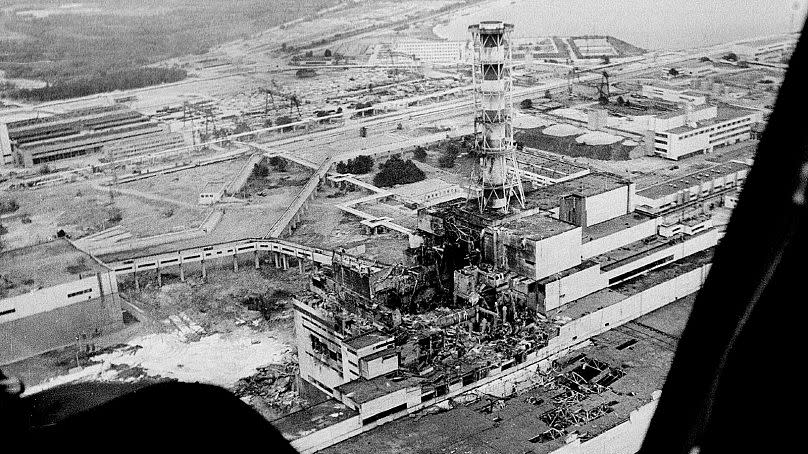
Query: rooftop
724, 113
672, 185
680, 112
589, 263
769, 41
547, 166
609, 296
312, 419
68, 116
743, 154
606, 228
367, 339
667, 272
44, 265
538, 227
636, 250
214, 186
363, 390
548, 197
422, 188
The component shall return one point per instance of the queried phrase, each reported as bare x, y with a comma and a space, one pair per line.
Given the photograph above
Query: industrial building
212, 192
768, 50
686, 133
428, 192
492, 289
692, 188
133, 146
671, 122
531, 285
673, 94
80, 132
435, 52
51, 295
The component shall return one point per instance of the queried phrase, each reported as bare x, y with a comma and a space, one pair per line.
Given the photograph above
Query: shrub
9, 206
260, 170
419, 153
115, 215
358, 166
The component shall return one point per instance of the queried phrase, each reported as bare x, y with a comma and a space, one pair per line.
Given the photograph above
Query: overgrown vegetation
100, 82
398, 171
357, 166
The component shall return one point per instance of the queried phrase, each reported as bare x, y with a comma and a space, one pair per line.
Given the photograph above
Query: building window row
81, 292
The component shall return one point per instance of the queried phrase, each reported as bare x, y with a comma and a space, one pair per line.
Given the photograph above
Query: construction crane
270, 93
570, 76
294, 101
186, 117
210, 120
268, 98
603, 89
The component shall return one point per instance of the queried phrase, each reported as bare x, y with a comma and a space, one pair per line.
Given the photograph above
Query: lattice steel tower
498, 171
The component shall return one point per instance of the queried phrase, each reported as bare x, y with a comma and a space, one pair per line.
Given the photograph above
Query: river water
651, 24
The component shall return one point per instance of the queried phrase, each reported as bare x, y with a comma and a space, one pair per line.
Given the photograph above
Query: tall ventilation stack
498, 171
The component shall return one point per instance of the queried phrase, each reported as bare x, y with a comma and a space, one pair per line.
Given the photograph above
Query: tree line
99, 83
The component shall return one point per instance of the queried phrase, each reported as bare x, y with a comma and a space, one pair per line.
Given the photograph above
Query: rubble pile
275, 385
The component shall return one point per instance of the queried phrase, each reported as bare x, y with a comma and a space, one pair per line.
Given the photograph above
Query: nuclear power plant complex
381, 241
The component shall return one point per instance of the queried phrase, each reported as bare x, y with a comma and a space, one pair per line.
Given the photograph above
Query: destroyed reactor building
495, 291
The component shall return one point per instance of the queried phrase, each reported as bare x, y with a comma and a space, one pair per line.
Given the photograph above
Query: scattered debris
273, 386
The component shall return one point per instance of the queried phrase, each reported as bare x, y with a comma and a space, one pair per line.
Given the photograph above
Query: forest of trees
113, 50
100, 83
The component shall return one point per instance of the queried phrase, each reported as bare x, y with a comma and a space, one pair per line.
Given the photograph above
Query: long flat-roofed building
437, 52
35, 141
707, 185
694, 136
673, 94
771, 50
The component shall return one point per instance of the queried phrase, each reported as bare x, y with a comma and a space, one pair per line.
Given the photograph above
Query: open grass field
79, 209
